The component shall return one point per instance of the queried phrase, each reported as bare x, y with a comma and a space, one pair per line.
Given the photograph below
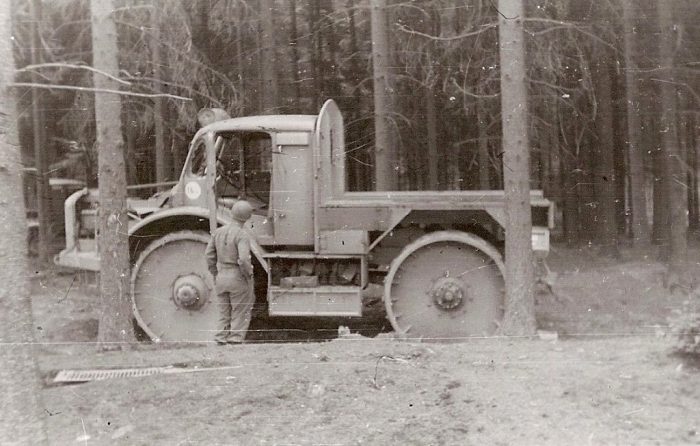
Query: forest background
613, 100
613, 95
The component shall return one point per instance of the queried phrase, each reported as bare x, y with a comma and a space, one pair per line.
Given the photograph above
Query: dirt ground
609, 378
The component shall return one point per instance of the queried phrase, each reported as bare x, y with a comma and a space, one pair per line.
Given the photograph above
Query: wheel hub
448, 293
189, 292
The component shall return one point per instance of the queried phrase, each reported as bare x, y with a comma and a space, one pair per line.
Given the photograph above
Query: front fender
191, 211
182, 211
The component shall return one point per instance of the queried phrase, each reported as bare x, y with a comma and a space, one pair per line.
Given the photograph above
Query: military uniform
228, 259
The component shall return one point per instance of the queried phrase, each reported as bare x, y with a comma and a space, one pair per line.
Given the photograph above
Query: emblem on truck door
193, 190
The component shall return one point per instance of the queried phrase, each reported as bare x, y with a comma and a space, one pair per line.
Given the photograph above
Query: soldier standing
229, 261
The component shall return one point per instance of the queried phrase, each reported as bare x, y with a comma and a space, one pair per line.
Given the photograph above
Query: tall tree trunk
158, 129
359, 167
570, 212
131, 164
692, 154
431, 134
240, 64
603, 159
640, 226
294, 45
315, 50
544, 167
43, 195
674, 165
22, 420
571, 181
520, 304
431, 121
201, 34
555, 161
115, 328
270, 91
660, 233
482, 117
332, 86
386, 162
586, 193
620, 159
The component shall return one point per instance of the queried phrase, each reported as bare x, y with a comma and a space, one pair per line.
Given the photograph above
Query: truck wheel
445, 286
171, 290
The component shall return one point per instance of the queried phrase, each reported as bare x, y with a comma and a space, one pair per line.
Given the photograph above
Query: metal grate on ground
77, 376
81, 376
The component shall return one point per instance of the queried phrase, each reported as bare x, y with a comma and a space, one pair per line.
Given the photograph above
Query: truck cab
267, 161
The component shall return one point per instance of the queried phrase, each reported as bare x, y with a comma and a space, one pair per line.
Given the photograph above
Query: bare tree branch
32, 68
175, 84
685, 85
567, 25
97, 90
485, 28
466, 92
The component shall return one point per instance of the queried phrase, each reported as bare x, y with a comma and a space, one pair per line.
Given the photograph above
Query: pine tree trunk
131, 166
571, 181
294, 45
555, 154
158, 128
586, 194
603, 159
660, 233
386, 162
359, 170
22, 420
270, 91
43, 193
635, 152
333, 79
201, 34
482, 117
674, 165
572, 213
519, 316
431, 134
240, 64
693, 218
115, 328
315, 50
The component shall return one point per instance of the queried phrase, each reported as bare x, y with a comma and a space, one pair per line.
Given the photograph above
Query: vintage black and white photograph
350, 222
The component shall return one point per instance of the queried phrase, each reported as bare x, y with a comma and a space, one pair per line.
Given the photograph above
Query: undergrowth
685, 327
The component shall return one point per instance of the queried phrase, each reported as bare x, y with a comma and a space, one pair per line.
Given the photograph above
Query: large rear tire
445, 286
171, 290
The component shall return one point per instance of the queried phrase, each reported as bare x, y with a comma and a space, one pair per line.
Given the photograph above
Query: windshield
243, 165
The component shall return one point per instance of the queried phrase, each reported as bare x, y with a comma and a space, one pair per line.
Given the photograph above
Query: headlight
540, 239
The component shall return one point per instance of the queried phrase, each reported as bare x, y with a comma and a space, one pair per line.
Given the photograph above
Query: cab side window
258, 165
198, 165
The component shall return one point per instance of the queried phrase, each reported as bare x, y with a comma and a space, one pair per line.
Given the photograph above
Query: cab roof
279, 123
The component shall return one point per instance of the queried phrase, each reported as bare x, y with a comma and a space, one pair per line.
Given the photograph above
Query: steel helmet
241, 211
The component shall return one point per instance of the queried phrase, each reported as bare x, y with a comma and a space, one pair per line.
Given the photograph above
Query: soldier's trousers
235, 299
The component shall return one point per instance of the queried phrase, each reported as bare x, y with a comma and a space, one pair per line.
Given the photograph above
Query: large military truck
437, 253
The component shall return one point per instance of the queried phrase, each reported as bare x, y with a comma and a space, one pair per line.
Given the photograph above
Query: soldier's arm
244, 259
210, 254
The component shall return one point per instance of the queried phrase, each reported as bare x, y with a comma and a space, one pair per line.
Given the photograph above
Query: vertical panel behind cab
330, 144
